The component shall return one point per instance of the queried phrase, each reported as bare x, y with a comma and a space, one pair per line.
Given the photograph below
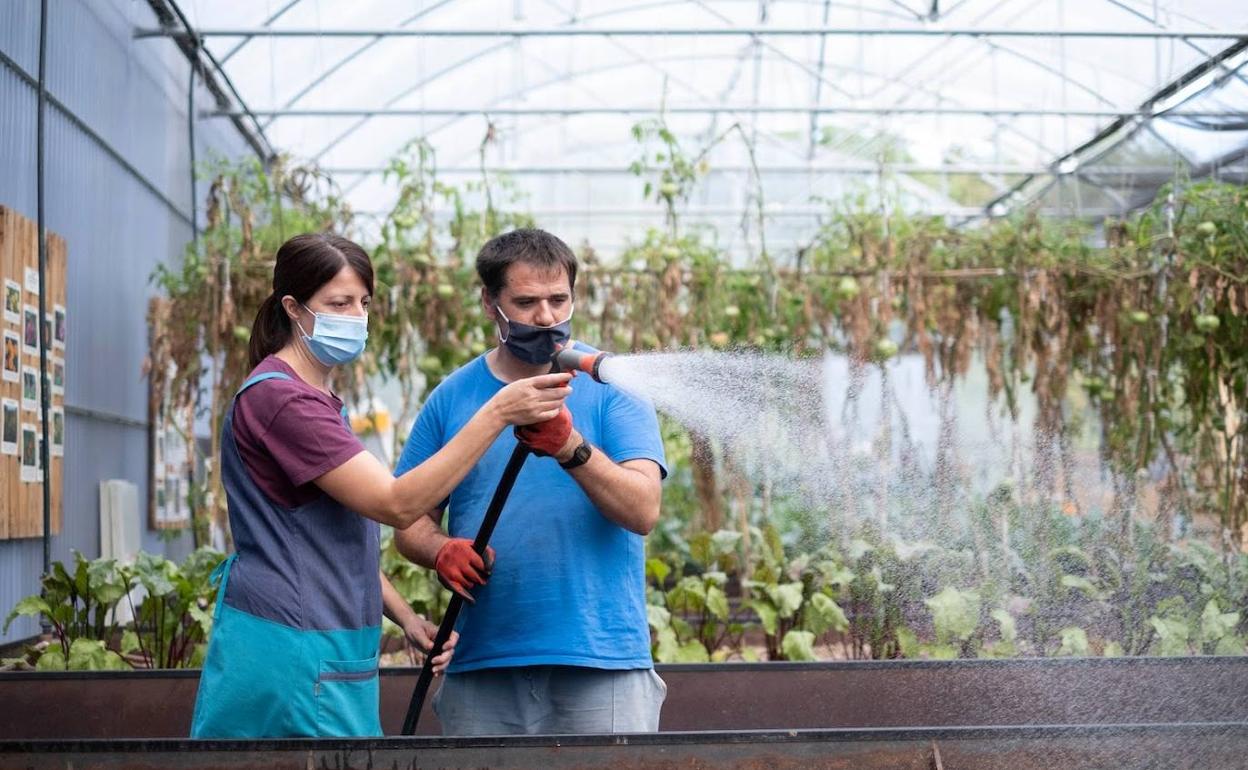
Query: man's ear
487, 302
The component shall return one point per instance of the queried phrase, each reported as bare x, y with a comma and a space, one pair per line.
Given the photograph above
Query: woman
298, 615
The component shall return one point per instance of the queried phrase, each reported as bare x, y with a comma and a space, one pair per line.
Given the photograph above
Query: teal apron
297, 626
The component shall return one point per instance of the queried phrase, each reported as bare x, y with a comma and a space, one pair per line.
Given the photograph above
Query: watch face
579, 456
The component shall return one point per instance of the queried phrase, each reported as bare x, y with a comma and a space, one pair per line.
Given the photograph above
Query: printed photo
32, 280
12, 356
47, 330
58, 432
10, 427
30, 389
61, 331
58, 376
12, 301
30, 330
30, 449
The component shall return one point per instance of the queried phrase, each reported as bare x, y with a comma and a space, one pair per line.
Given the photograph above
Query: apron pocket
347, 698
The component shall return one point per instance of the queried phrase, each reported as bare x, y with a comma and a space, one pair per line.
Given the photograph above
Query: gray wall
119, 224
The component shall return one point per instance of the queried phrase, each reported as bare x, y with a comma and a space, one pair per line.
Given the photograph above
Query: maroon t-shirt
290, 433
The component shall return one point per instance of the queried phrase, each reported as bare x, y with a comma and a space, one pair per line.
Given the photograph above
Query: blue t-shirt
568, 587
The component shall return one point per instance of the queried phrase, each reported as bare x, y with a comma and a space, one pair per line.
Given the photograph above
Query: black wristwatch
580, 456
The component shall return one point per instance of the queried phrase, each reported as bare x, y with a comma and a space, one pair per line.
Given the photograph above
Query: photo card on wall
12, 301
10, 427
12, 356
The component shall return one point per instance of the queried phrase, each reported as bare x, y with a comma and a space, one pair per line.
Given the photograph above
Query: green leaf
955, 614
1229, 645
1074, 642
688, 595
724, 542
666, 647
766, 615
823, 614
657, 571
1215, 625
658, 617
717, 602
1172, 636
692, 652
798, 645
92, 655
1113, 650
130, 643
787, 598
908, 642
31, 605
52, 659
1005, 622
938, 651
1080, 583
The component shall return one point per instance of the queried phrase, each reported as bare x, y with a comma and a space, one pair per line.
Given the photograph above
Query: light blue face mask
336, 339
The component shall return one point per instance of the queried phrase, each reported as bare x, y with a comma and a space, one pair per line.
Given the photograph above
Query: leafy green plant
170, 625
80, 606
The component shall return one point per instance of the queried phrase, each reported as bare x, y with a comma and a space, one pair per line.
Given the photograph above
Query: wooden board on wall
19, 252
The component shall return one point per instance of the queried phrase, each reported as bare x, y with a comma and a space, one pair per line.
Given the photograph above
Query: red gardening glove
548, 437
460, 567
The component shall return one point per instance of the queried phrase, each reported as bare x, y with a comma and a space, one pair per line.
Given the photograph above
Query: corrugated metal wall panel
132, 94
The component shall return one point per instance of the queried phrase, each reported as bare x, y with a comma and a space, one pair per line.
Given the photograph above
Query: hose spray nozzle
568, 359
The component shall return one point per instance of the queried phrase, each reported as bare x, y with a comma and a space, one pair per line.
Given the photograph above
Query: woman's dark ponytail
270, 332
304, 264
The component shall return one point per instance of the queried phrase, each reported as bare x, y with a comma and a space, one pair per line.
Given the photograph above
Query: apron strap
222, 574
262, 378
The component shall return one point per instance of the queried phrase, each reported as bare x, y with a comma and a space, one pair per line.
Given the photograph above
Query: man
557, 641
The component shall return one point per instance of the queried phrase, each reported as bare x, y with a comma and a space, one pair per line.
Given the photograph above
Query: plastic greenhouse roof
961, 107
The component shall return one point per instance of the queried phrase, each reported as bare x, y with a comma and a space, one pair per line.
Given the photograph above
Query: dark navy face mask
533, 344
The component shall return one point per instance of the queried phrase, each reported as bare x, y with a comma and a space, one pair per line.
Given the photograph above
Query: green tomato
847, 287
1207, 322
429, 364
885, 348
445, 290
1138, 317
242, 333
1207, 229
669, 189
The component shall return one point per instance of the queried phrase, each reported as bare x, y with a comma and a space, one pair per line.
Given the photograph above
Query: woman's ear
291, 306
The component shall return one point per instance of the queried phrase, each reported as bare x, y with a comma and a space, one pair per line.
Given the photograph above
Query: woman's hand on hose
419, 634
531, 400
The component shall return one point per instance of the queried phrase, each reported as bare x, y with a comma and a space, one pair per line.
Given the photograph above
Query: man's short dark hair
528, 245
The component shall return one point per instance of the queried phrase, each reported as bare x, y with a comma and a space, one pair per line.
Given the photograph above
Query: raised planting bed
1137, 712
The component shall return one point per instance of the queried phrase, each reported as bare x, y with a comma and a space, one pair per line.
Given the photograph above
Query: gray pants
549, 700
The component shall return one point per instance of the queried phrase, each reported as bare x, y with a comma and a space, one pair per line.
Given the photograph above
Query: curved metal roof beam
565, 77
344, 61
267, 23
847, 6
1000, 123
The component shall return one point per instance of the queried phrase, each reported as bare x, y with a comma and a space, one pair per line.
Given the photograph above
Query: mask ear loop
501, 338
